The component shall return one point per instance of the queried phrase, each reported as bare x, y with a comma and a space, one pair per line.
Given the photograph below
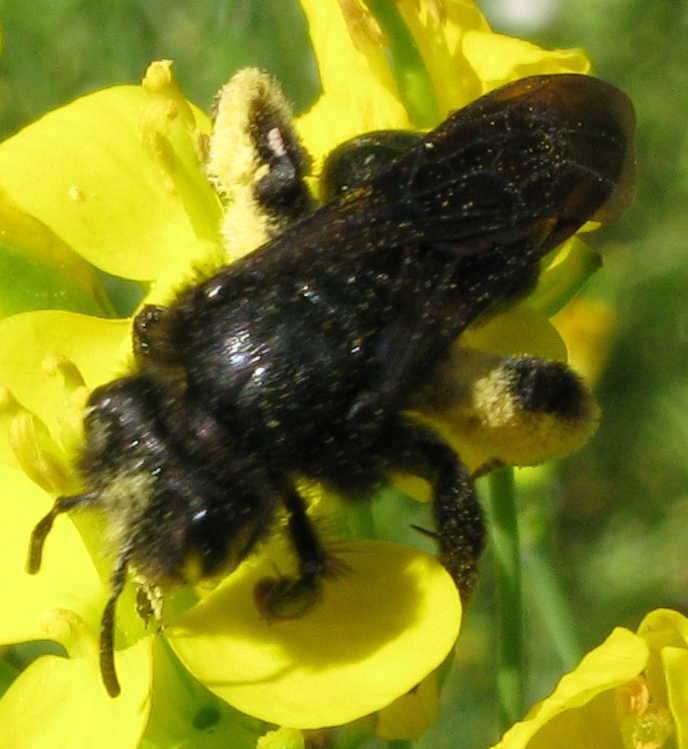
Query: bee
316, 355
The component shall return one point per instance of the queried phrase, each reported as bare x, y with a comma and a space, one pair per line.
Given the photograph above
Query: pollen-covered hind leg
460, 525
291, 597
43, 527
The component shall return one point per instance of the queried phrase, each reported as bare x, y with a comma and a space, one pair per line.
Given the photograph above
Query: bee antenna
40, 532
107, 622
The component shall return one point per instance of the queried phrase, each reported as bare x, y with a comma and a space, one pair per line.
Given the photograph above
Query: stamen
362, 24
71, 631
58, 363
170, 105
644, 723
75, 396
158, 77
437, 11
159, 80
39, 455
154, 124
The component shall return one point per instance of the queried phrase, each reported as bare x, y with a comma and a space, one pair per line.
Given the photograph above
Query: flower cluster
629, 693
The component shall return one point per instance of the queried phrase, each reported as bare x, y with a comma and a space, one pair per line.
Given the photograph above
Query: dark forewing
540, 156
548, 152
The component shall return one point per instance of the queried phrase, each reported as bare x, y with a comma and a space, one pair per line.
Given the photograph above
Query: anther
40, 457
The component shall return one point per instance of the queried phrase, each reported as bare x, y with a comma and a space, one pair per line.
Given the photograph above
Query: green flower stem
415, 86
552, 606
511, 672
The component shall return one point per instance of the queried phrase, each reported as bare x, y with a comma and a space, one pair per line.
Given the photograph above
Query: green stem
415, 85
545, 590
511, 672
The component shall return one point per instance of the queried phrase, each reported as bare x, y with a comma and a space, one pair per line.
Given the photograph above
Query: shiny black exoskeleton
305, 358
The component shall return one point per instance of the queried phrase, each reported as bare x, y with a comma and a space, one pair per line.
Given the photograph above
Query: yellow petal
666, 632
60, 703
440, 42
66, 581
588, 327
124, 186
583, 704
97, 346
282, 738
410, 716
345, 110
675, 662
664, 627
498, 59
380, 628
520, 331
39, 271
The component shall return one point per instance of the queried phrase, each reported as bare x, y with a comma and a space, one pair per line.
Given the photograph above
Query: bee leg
460, 522
43, 527
458, 515
143, 332
291, 597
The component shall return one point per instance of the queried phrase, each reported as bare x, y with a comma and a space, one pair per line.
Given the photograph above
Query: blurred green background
607, 529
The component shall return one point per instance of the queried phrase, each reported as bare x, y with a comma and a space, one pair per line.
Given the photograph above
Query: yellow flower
587, 327
126, 191
631, 692
463, 57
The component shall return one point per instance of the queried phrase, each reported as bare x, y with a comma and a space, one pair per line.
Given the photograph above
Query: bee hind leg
459, 519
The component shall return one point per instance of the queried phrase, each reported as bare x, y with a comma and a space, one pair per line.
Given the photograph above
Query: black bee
309, 357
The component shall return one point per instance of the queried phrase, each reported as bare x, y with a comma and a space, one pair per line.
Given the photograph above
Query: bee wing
530, 162
509, 177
